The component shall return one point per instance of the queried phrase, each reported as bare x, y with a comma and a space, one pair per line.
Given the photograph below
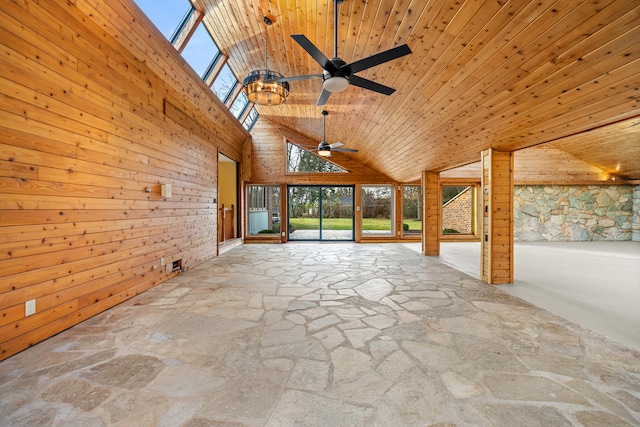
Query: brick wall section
457, 212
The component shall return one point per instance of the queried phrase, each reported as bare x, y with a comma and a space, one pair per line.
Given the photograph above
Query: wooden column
431, 215
496, 266
358, 214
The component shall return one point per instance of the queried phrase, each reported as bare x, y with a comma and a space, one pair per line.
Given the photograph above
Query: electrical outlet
30, 307
162, 261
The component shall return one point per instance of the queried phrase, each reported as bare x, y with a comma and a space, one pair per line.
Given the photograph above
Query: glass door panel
337, 213
303, 213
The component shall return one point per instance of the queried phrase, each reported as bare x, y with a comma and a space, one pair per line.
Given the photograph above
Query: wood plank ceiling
501, 74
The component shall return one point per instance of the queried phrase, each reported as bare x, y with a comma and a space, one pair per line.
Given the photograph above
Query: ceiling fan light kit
335, 84
324, 149
265, 87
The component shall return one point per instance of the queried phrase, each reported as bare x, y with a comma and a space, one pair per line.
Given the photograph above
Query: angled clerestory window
201, 51
251, 119
225, 83
240, 105
302, 160
166, 15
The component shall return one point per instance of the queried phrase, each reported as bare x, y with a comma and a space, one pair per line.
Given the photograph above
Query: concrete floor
327, 335
595, 284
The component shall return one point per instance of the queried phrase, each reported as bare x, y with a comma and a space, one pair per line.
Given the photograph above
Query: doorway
228, 233
319, 212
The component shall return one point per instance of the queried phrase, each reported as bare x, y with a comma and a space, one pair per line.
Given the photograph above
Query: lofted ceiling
483, 74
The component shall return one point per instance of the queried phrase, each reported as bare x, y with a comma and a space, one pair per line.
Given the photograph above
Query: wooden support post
431, 218
496, 265
358, 214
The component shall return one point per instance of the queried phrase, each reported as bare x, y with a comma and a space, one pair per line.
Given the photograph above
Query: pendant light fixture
262, 86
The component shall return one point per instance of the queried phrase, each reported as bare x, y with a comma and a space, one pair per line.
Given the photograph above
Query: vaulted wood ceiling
501, 74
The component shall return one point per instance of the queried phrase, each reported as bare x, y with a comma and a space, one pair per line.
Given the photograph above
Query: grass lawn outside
347, 224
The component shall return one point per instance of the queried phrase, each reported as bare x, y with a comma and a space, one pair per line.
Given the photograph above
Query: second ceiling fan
324, 148
337, 74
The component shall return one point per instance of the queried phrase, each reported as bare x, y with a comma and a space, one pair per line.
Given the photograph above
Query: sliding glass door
320, 212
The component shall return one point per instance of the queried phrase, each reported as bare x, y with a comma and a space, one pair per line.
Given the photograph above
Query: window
165, 14
263, 209
411, 209
251, 119
377, 210
200, 51
224, 84
239, 105
301, 160
458, 209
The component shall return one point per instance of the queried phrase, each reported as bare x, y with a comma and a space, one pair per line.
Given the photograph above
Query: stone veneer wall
576, 213
635, 228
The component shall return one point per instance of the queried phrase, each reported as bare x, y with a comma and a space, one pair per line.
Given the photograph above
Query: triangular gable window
301, 160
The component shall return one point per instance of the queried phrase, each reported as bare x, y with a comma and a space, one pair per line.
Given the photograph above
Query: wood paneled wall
268, 160
83, 133
541, 165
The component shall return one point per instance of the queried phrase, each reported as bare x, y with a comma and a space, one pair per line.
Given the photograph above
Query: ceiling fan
324, 148
337, 74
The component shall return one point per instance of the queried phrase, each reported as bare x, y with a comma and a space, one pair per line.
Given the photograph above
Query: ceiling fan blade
324, 97
293, 78
345, 150
371, 85
315, 53
336, 145
379, 58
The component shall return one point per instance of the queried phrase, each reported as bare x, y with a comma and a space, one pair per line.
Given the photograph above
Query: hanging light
263, 87
324, 148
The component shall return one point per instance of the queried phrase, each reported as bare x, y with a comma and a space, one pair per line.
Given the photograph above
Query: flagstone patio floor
323, 334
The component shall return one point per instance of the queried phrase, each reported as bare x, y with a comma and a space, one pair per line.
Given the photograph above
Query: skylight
165, 14
200, 50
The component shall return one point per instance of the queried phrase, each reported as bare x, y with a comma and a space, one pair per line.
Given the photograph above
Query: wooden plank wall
83, 134
267, 155
539, 166
268, 160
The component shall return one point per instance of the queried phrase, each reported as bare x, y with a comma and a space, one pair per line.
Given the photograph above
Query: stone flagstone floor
317, 334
